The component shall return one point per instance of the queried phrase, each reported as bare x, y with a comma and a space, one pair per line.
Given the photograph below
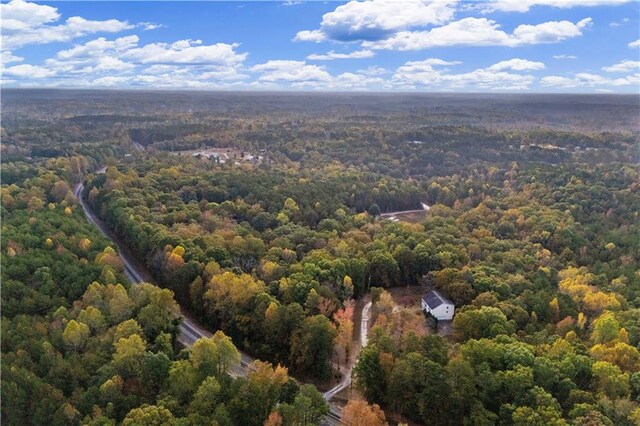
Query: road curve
425, 208
189, 330
335, 411
346, 380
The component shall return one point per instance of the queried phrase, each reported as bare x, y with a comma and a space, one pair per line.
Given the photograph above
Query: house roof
433, 299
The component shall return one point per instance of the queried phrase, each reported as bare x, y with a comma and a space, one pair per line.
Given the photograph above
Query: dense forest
264, 216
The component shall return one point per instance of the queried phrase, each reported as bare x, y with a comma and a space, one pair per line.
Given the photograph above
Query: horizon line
309, 92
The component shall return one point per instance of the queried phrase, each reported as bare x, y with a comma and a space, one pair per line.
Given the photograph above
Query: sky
538, 46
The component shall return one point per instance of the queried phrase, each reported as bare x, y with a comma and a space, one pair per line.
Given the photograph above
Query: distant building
437, 305
206, 154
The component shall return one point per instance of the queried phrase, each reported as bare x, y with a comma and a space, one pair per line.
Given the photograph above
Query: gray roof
433, 299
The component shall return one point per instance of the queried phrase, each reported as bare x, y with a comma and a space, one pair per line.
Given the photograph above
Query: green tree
605, 328
206, 398
311, 345
477, 323
129, 355
384, 269
610, 380
75, 335
308, 407
149, 415
368, 374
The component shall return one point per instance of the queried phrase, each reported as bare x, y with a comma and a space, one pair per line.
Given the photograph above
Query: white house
438, 305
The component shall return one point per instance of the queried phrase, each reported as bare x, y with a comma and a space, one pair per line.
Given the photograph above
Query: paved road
346, 380
364, 325
335, 413
189, 330
425, 208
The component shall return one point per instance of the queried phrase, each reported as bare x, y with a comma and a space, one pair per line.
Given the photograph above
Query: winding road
346, 380
190, 330
425, 208
335, 411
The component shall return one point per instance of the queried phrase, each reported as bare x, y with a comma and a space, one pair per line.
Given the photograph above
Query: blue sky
498, 46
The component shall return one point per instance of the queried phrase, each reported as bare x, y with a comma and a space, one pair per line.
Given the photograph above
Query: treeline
401, 136
516, 112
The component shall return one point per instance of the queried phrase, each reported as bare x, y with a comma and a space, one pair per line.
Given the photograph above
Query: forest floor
407, 296
412, 217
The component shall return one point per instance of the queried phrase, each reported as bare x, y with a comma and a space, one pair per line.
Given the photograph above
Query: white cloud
161, 69
484, 79
358, 54
623, 66
619, 23
18, 15
554, 80
550, 32
564, 56
8, 57
517, 64
467, 31
347, 81
99, 46
147, 26
377, 19
186, 52
73, 27
416, 74
110, 63
182, 52
480, 32
110, 81
437, 61
123, 61
394, 25
313, 35
525, 5
94, 57
173, 77
634, 44
27, 71
79, 26
180, 80
293, 71
25, 23
588, 80
350, 80
177, 76
372, 70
